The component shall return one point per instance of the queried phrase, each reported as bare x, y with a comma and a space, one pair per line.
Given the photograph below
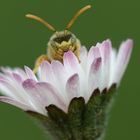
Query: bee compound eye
73, 39
53, 43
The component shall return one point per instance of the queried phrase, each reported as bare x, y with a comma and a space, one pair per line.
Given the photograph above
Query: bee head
61, 42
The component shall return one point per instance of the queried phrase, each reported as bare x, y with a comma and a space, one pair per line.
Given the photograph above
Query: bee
61, 41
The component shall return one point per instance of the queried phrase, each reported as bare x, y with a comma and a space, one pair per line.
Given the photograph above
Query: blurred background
23, 40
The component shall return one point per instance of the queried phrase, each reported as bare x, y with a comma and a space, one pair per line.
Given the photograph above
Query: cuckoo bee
61, 41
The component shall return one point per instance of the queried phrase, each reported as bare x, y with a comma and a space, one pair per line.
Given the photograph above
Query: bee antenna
82, 10
41, 21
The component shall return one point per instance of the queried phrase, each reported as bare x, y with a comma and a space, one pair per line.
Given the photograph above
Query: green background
22, 40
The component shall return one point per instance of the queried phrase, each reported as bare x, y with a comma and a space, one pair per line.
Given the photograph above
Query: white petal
42, 94
94, 78
123, 59
21, 72
73, 87
15, 103
45, 72
17, 77
34, 98
94, 52
112, 66
16, 91
9, 89
60, 73
71, 62
83, 58
51, 95
55, 74
30, 73
105, 50
7, 71
29, 84
72, 65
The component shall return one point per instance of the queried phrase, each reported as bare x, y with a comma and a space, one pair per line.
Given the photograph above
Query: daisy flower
71, 97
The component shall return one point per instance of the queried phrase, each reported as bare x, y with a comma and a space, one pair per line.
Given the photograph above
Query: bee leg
60, 51
39, 61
